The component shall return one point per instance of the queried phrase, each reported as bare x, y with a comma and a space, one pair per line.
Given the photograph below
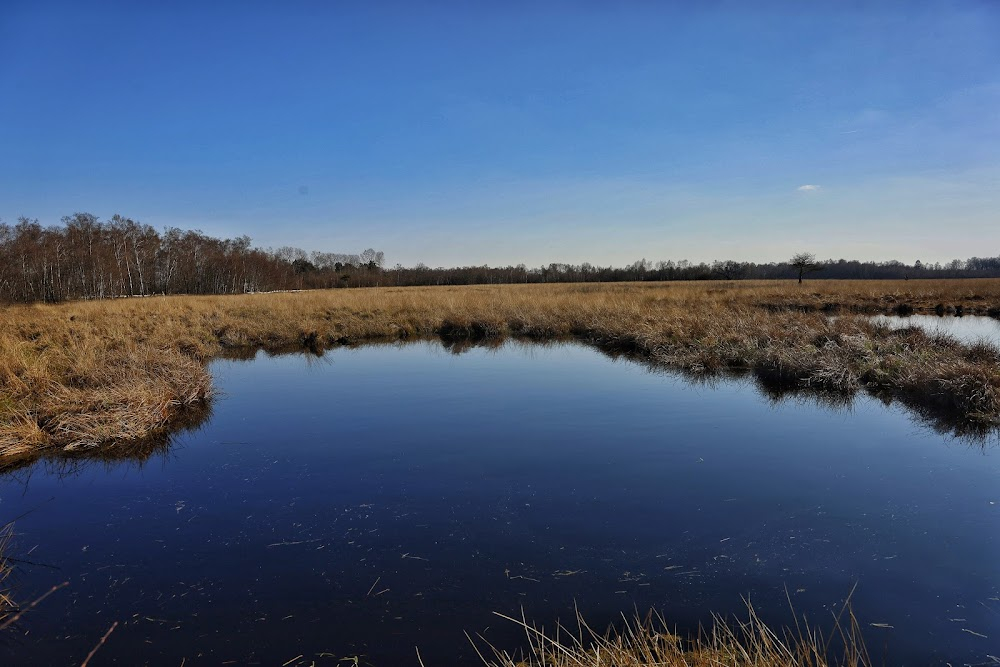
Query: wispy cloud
808, 188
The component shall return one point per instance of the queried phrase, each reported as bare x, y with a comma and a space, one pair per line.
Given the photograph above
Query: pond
967, 329
384, 498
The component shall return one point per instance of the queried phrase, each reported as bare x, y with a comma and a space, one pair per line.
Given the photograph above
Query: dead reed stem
93, 651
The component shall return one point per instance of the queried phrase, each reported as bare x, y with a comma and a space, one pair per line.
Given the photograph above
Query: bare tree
804, 262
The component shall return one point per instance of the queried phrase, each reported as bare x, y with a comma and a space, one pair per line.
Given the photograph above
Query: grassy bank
118, 375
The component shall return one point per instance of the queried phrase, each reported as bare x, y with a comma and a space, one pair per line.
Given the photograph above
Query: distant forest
85, 258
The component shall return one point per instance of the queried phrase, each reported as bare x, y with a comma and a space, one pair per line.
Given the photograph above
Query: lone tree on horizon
805, 262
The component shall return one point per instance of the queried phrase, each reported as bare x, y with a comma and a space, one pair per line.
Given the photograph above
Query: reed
101, 376
648, 641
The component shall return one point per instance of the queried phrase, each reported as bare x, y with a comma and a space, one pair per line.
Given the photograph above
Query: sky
461, 133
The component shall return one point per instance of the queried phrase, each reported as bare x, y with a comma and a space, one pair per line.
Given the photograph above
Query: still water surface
967, 329
384, 498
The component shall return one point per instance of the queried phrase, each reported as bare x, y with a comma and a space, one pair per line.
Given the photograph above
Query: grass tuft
649, 642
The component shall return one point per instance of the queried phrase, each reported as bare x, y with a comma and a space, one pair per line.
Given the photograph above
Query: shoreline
107, 377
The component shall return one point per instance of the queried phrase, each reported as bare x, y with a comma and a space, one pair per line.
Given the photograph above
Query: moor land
107, 378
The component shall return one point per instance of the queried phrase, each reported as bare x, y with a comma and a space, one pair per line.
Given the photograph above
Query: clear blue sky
482, 132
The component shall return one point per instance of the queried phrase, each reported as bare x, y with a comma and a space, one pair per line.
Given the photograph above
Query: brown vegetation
106, 376
644, 642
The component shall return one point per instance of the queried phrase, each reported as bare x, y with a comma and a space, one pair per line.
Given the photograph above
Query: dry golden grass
105, 375
649, 642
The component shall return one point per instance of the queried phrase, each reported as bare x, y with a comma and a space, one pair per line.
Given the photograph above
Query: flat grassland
105, 377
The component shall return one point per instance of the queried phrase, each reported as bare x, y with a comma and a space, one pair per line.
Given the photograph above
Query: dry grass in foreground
648, 642
113, 376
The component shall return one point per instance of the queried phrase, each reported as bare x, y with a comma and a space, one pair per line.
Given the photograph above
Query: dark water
385, 498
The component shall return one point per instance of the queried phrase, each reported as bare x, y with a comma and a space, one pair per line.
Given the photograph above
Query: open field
113, 377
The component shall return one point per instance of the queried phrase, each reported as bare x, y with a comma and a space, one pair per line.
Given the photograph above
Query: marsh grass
650, 642
101, 376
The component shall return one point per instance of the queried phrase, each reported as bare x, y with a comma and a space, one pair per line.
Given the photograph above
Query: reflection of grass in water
10, 611
7, 606
649, 642
69, 462
100, 374
779, 387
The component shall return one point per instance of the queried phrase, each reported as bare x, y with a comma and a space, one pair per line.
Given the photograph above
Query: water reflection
61, 462
967, 329
392, 496
775, 388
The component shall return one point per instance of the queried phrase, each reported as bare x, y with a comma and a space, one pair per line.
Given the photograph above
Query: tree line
86, 258
975, 267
